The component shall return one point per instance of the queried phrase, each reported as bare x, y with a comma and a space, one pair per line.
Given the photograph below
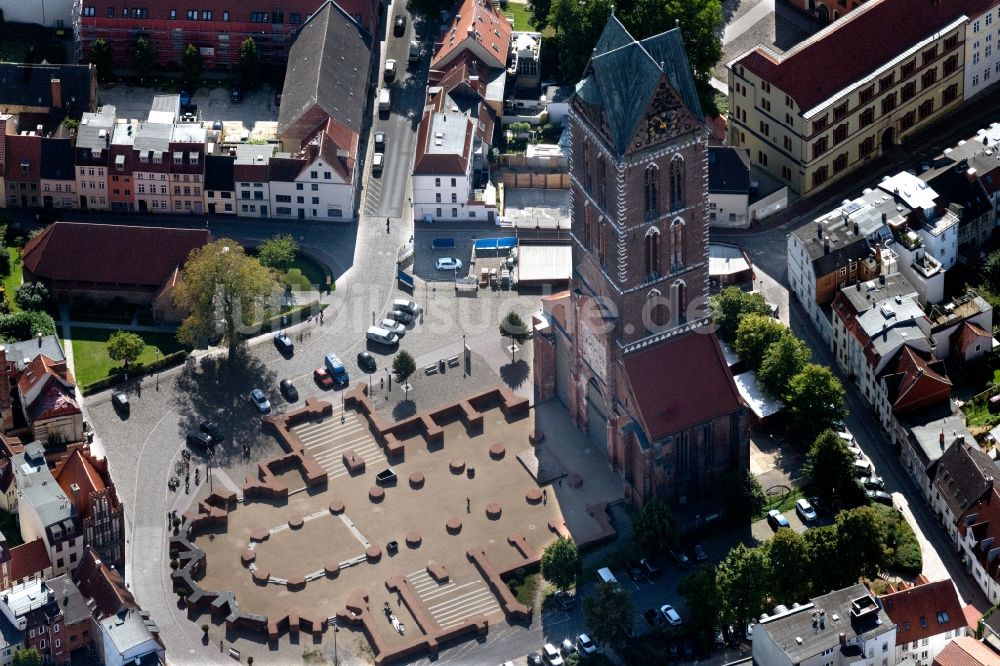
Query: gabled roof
57, 159
728, 170
23, 150
478, 26
328, 67
916, 379
103, 585
38, 371
219, 173
116, 254
963, 474
966, 651
853, 47
966, 334
78, 469
623, 75
668, 407
924, 610
23, 84
284, 169
29, 559
982, 520
449, 153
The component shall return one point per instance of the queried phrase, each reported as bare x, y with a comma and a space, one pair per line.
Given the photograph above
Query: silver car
394, 326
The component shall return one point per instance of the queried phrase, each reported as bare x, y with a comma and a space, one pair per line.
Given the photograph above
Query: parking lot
213, 104
426, 256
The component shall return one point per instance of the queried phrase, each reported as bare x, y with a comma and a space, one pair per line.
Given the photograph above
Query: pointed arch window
651, 253
587, 231
601, 183
659, 311
677, 244
650, 189
601, 239
676, 182
680, 301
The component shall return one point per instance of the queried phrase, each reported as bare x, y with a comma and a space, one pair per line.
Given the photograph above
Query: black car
367, 362
288, 390
212, 431
879, 496
284, 343
535, 659
236, 95
399, 26
652, 571
120, 402
564, 600
404, 318
379, 142
200, 440
634, 571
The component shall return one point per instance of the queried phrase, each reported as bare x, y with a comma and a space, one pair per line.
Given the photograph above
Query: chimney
826, 245
941, 439
39, 340
885, 218
970, 174
56, 94
881, 278
843, 640
819, 230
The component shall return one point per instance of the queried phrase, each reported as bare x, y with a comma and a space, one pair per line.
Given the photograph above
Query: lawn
521, 15
13, 280
91, 358
305, 274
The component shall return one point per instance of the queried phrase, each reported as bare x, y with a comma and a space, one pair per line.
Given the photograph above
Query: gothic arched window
680, 301
651, 252
650, 189
676, 182
677, 244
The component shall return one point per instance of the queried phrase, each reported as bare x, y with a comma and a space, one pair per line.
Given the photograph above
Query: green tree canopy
278, 252
743, 497
32, 296
561, 563
754, 334
829, 467
861, 540
784, 359
28, 657
192, 63
704, 601
125, 346
249, 63
991, 271
540, 13
790, 567
609, 614
403, 367
743, 583
730, 305
222, 288
814, 400
514, 329
101, 58
822, 547
143, 58
654, 528
26, 325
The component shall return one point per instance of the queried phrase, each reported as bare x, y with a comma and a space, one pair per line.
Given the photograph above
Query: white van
382, 335
605, 576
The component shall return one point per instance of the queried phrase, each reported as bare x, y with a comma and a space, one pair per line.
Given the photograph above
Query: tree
403, 366
790, 567
654, 527
704, 602
125, 346
743, 583
191, 63
514, 329
755, 333
561, 563
814, 400
249, 63
822, 549
29, 657
278, 252
26, 325
223, 288
143, 58
730, 305
540, 13
861, 538
991, 272
830, 469
784, 359
578, 25
743, 498
609, 614
100, 57
32, 296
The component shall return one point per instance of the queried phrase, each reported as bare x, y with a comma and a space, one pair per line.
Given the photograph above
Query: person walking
386, 225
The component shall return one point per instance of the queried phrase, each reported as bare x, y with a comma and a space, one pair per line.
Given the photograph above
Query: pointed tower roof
623, 74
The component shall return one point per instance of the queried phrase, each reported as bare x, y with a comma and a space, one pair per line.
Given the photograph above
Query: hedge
117, 375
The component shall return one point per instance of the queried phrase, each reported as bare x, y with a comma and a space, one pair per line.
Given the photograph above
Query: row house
220, 186
982, 48
92, 157
317, 182
962, 476
979, 532
121, 167
923, 437
187, 168
851, 92
50, 616
23, 168
927, 616
58, 175
251, 179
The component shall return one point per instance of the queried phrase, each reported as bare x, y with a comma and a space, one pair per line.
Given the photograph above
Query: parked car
260, 401
236, 95
288, 390
383, 336
564, 600
404, 318
199, 440
323, 378
719, 640
378, 162
390, 70
367, 362
394, 326
120, 402
449, 264
567, 647
406, 305
863, 468
776, 519
212, 431
399, 25
284, 343
873, 483
805, 510
879, 496
585, 645
699, 553
652, 571
551, 655
749, 633
534, 659
634, 571
670, 614
680, 558
380, 142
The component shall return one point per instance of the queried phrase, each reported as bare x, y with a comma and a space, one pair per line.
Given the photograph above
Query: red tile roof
90, 476
478, 26
23, 148
966, 651
110, 254
103, 584
53, 401
983, 520
915, 381
916, 611
29, 559
966, 334
39, 370
659, 379
441, 163
854, 46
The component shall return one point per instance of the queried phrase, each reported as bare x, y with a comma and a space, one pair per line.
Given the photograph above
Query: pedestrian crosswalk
451, 603
327, 440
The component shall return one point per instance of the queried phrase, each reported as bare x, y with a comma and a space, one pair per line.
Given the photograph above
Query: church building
629, 349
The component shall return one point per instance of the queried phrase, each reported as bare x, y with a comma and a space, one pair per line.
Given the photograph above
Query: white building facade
982, 51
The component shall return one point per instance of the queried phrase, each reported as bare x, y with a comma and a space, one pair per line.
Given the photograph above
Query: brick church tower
636, 363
